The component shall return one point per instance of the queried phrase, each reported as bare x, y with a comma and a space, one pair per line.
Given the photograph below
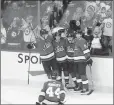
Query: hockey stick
29, 58
92, 89
63, 81
29, 65
30, 50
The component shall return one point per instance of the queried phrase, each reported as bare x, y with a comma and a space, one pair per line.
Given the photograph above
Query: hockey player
81, 58
60, 52
52, 92
45, 48
70, 55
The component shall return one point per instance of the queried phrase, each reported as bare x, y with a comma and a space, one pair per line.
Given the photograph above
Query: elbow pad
62, 97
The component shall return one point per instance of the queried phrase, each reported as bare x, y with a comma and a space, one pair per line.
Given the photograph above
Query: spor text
22, 58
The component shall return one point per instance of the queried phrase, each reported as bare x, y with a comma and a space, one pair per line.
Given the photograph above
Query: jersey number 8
51, 93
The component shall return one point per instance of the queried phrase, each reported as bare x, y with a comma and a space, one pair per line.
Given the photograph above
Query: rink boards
14, 65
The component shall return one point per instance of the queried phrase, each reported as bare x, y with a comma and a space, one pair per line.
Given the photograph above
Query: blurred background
20, 21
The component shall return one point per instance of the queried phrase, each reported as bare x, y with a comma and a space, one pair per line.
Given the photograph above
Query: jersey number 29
51, 93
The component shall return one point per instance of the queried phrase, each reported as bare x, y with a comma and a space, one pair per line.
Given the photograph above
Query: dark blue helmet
70, 33
54, 74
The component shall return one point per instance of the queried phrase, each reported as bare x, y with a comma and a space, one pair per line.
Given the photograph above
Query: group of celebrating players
63, 50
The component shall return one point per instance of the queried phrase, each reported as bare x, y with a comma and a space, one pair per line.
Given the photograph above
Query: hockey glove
60, 103
30, 46
89, 62
37, 103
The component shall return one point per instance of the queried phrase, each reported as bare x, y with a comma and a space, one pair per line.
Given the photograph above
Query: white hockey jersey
96, 43
28, 34
108, 27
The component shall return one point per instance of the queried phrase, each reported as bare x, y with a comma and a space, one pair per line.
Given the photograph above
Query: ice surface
14, 91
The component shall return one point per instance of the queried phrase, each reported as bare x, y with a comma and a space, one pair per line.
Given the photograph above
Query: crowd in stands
96, 27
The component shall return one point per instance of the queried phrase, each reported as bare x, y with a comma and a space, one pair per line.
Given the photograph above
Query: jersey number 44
53, 92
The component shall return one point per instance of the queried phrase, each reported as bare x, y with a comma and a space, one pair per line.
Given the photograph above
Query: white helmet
56, 29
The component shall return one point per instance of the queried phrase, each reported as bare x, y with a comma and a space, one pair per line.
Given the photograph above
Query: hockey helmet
54, 74
72, 24
61, 30
70, 33
55, 30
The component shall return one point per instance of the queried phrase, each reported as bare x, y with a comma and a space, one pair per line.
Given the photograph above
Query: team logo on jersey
108, 25
46, 46
13, 34
59, 48
69, 49
27, 31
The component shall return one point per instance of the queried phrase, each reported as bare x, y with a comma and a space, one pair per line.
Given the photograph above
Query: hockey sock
75, 82
84, 82
66, 79
79, 83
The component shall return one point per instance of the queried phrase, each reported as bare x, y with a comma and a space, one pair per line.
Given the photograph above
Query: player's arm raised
34, 44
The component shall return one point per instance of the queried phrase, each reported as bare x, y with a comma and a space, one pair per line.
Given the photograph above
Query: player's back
52, 91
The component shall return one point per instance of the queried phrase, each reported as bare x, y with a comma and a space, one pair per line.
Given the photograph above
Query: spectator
96, 46
88, 35
3, 34
107, 31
